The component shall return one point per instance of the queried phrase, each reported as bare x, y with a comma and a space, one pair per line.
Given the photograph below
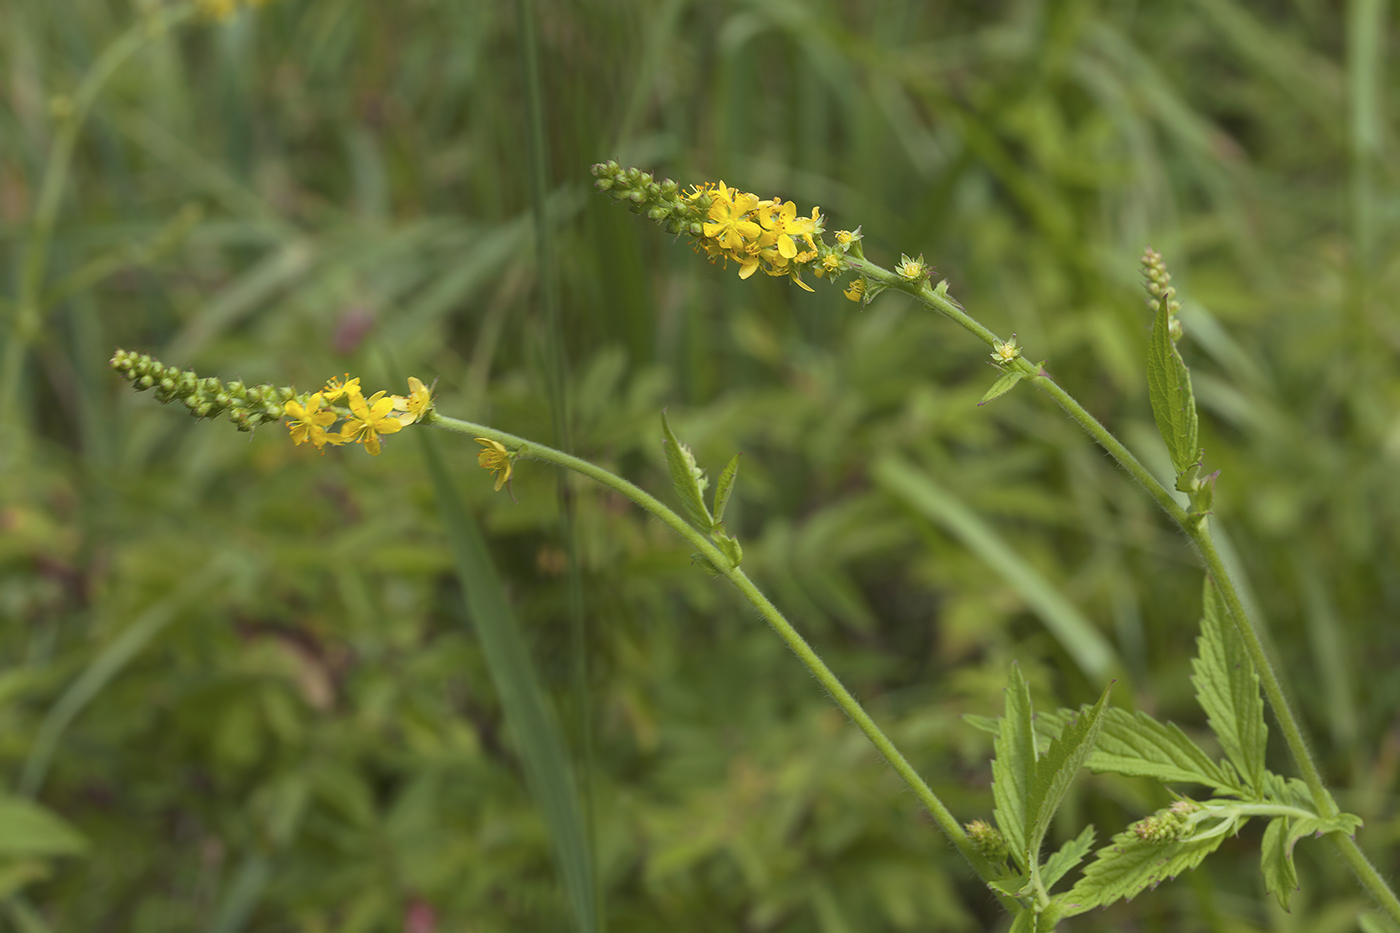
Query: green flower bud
988, 841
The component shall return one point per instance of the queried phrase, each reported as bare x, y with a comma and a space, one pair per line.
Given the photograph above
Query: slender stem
1366, 873
1198, 530
27, 315
848, 703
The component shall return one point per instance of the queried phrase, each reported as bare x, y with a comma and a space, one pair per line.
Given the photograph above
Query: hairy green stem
523, 448
1198, 530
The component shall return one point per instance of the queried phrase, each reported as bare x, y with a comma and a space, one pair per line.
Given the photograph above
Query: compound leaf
1137, 745
1227, 687
724, 487
1127, 867
1013, 769
1057, 769
1069, 855
688, 480
1169, 385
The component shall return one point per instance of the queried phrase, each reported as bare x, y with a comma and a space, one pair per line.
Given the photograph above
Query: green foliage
312, 739
1227, 687
1014, 769
1130, 865
1169, 387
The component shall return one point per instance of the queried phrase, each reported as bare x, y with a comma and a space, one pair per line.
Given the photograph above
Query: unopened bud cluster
247, 407
662, 202
988, 841
1159, 288
1166, 825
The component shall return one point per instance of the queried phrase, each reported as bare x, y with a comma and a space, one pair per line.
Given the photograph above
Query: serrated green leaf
1055, 772
1066, 857
1292, 792
1003, 385
688, 480
731, 548
1276, 861
1137, 745
1169, 386
1227, 687
1026, 922
724, 487
1013, 769
988, 724
1276, 852
1128, 866
1015, 886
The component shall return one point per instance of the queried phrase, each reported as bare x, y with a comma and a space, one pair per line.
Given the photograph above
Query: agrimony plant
1037, 755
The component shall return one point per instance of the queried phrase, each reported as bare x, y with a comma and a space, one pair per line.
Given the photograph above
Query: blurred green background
238, 679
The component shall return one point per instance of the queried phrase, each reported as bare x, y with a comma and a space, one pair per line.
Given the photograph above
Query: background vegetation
241, 673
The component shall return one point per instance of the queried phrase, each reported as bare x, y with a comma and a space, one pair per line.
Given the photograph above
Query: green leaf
1137, 745
986, 724
1128, 866
1276, 853
1169, 385
1013, 769
1003, 385
1276, 860
27, 829
731, 548
724, 487
1069, 855
1055, 772
1227, 687
1027, 921
529, 712
688, 480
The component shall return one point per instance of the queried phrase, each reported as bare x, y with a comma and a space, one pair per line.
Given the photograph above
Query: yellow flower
418, 403
857, 290
495, 456
368, 419
729, 216
1006, 352
781, 221
310, 422
912, 270
335, 388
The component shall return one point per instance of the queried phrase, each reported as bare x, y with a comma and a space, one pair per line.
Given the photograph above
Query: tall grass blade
1090, 651
548, 771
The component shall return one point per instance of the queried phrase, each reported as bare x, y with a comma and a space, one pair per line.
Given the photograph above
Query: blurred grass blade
105, 667
1082, 642
1366, 39
243, 895
548, 770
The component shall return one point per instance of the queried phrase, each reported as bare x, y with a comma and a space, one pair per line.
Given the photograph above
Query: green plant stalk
556, 365
1197, 529
27, 316
530, 450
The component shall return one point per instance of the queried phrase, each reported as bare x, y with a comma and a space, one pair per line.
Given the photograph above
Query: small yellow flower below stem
497, 458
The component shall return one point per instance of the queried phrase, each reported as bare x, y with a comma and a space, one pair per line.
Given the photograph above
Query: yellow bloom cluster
757, 234
727, 223
365, 419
